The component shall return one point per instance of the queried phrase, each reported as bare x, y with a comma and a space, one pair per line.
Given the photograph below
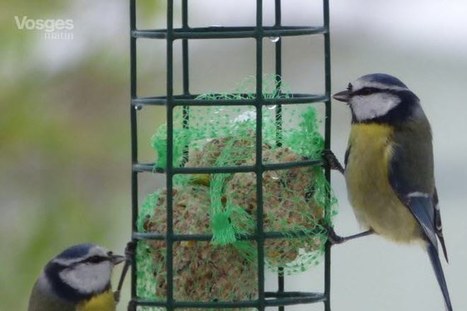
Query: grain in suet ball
288, 204
239, 150
202, 271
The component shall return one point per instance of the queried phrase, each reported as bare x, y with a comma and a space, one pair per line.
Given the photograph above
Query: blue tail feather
436, 263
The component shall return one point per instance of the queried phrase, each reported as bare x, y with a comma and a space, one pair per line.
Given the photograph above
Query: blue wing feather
421, 198
414, 192
423, 210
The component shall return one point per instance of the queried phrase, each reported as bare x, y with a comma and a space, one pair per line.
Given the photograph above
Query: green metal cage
280, 298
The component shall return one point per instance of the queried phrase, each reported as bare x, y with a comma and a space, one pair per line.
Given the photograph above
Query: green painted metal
281, 298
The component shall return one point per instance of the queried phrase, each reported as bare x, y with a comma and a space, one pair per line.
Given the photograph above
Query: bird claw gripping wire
334, 239
330, 161
129, 253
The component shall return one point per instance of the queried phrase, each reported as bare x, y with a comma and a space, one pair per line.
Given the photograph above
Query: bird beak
116, 259
343, 96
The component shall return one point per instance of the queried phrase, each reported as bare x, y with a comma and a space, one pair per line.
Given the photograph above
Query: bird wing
411, 177
439, 225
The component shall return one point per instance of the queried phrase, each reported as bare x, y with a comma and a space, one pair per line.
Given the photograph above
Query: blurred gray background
64, 128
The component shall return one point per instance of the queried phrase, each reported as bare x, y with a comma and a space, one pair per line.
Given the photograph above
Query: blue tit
389, 166
78, 279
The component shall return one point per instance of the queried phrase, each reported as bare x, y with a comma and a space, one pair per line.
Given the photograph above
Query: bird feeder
245, 190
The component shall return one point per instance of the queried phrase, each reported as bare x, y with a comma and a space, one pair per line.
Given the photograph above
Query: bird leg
129, 253
330, 161
336, 239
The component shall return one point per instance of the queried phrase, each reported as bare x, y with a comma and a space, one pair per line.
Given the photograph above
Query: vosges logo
53, 28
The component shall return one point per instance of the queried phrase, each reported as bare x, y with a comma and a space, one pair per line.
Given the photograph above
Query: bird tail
436, 263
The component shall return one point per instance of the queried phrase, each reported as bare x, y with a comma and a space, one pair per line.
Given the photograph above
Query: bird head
380, 97
81, 271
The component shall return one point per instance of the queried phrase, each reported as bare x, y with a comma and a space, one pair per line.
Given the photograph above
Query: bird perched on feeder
389, 166
78, 279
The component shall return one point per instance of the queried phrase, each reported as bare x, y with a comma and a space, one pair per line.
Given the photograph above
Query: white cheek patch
87, 278
372, 106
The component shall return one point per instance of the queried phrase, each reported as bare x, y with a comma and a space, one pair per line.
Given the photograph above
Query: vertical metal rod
134, 145
327, 143
278, 118
281, 284
169, 167
327, 72
259, 153
185, 58
278, 50
186, 77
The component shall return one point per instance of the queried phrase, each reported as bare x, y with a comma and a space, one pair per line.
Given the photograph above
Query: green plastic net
296, 201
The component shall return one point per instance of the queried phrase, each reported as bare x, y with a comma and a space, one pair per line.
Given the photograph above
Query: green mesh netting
295, 201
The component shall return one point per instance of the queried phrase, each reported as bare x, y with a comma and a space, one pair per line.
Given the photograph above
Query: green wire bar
280, 298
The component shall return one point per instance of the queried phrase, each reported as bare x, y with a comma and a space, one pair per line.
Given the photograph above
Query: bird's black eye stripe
95, 259
366, 91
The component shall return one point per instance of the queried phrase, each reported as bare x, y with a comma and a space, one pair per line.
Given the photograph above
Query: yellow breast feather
375, 203
101, 302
